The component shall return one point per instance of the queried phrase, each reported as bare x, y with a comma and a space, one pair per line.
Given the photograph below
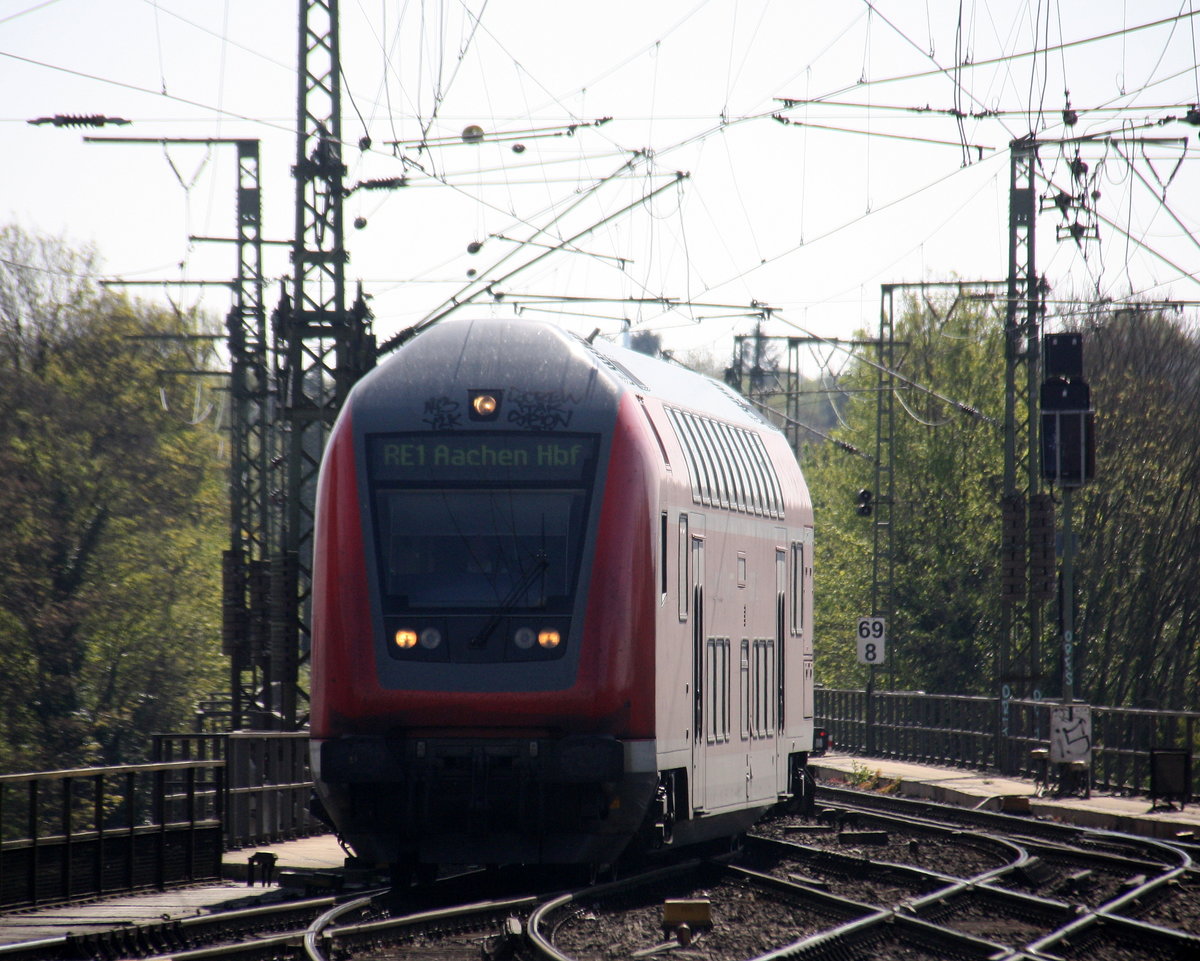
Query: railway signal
865, 503
1068, 460
1068, 422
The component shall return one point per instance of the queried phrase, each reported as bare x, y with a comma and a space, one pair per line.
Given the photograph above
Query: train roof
534, 351
675, 384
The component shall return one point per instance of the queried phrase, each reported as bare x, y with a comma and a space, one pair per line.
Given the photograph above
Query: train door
801, 629
787, 657
696, 566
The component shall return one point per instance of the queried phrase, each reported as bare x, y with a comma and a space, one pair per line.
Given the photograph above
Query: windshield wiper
510, 600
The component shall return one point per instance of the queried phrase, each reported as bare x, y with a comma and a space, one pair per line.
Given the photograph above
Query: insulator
383, 183
79, 120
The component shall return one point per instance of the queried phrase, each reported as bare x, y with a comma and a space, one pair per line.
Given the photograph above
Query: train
562, 605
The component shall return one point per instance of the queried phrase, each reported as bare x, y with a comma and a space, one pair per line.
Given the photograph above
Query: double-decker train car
562, 600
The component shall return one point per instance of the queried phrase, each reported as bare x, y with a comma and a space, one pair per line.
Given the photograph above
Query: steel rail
1022, 827
1162, 863
341, 940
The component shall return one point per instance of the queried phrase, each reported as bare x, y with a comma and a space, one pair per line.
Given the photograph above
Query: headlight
406, 638
431, 637
549, 639
524, 638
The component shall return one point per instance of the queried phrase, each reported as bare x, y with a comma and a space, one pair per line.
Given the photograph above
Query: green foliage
1137, 525
114, 502
944, 514
647, 342
863, 777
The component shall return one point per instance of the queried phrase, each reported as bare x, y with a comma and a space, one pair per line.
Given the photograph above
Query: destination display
422, 458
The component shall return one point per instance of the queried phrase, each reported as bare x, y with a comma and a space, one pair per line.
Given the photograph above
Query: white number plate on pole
872, 640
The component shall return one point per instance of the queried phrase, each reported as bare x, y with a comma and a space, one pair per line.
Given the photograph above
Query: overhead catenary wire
454, 303
1010, 57
762, 406
454, 179
963, 408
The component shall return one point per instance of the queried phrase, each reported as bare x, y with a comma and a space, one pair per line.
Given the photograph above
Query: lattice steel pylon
253, 516
321, 349
883, 531
1019, 664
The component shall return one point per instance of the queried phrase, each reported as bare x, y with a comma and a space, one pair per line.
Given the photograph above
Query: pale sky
808, 216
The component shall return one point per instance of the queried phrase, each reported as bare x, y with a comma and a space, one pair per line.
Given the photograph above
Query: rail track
873, 877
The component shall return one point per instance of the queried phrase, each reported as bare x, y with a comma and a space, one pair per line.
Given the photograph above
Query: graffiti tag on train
442, 413
540, 410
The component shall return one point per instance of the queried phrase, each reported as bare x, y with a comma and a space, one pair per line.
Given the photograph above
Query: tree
1138, 523
944, 516
646, 342
109, 557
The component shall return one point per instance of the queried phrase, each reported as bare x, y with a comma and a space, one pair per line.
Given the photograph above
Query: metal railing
89, 831
267, 781
79, 833
977, 733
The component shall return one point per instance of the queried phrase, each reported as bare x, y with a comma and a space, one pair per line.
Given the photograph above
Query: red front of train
483, 604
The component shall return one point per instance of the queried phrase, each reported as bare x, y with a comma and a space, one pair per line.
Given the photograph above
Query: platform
303, 856
992, 792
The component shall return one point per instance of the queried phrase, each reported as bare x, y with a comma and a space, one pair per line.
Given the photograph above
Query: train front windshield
480, 520
481, 548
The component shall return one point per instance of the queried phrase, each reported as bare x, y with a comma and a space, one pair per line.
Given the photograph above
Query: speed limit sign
872, 640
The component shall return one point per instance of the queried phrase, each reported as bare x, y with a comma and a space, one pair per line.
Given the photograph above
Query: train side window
662, 557
752, 684
758, 490
689, 454
754, 680
737, 470
712, 460
763, 717
718, 687
745, 687
725, 688
684, 588
709, 674
739, 491
756, 718
705, 472
769, 688
770, 479
765, 694
797, 588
